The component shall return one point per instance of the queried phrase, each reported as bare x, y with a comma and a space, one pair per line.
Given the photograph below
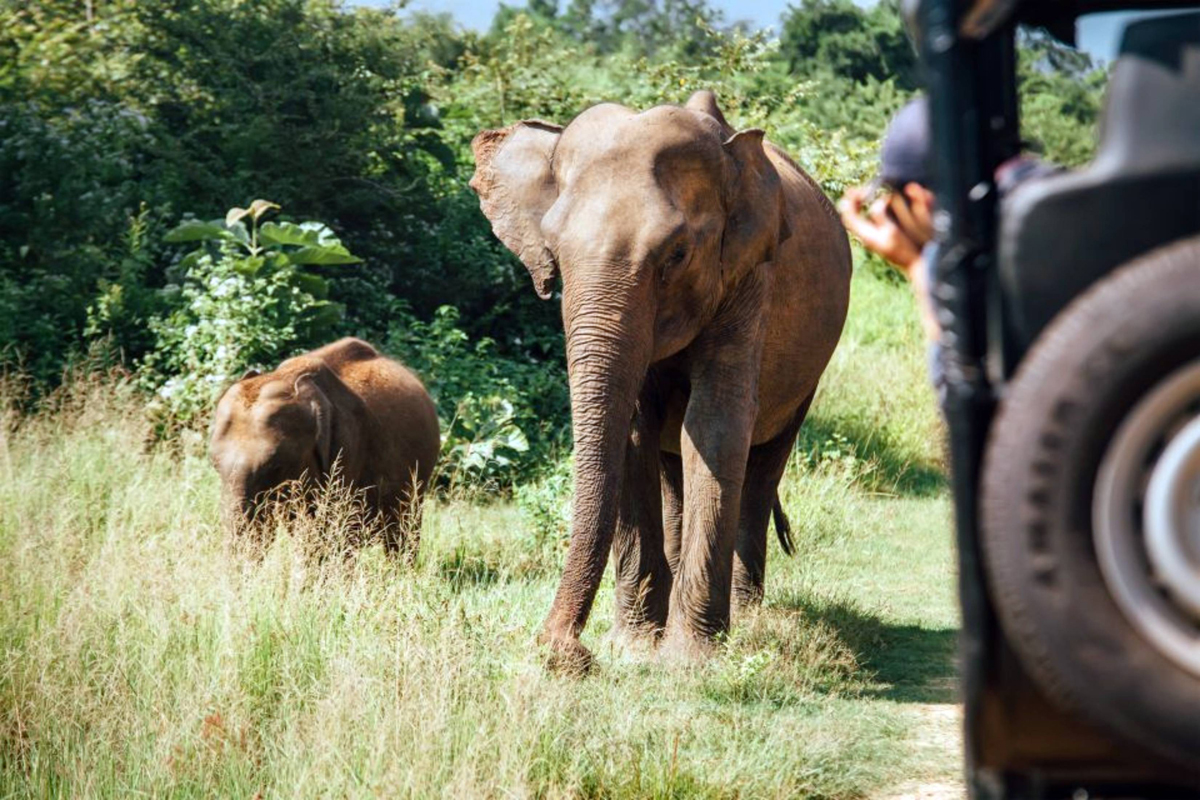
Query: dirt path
937, 739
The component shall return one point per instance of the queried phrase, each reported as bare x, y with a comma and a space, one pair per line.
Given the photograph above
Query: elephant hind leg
402, 517
760, 499
671, 479
402, 537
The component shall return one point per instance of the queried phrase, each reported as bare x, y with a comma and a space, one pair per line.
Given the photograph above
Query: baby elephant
343, 401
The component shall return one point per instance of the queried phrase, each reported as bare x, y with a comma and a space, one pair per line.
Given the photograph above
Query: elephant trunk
242, 504
609, 330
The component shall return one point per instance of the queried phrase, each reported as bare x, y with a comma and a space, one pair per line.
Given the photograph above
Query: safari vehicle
1071, 311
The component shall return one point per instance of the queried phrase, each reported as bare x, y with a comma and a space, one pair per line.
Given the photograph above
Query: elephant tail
783, 528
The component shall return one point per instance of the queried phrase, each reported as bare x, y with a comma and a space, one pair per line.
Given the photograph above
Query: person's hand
915, 213
899, 236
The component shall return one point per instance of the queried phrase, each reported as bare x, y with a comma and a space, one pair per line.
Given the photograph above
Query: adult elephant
705, 284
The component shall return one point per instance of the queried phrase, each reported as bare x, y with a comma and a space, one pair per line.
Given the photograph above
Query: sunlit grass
141, 654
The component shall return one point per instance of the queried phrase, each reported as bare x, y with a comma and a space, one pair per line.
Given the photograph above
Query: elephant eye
676, 258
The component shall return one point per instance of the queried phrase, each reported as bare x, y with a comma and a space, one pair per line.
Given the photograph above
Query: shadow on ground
463, 569
907, 663
891, 470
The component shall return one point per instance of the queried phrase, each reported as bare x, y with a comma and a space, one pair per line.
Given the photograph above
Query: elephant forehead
611, 141
246, 449
273, 414
282, 417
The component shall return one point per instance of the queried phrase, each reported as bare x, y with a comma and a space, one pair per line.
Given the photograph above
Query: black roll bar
972, 90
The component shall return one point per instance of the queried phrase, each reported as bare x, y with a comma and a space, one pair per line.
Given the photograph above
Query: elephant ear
308, 391
755, 223
516, 186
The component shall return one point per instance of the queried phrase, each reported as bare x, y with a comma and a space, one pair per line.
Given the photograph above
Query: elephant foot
685, 647
565, 654
747, 598
635, 639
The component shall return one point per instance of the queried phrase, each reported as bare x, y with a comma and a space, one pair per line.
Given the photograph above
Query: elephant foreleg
715, 443
764, 470
643, 576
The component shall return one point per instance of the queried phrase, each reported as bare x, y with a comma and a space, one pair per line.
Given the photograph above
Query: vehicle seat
1058, 235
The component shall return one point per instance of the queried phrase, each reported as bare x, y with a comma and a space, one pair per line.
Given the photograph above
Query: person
897, 223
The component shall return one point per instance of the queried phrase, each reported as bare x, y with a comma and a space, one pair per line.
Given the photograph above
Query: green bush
502, 417
842, 38
247, 298
1061, 92
69, 196
546, 506
120, 312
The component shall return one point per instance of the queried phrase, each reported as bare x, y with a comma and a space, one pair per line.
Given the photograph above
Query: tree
1061, 92
547, 9
679, 28
848, 41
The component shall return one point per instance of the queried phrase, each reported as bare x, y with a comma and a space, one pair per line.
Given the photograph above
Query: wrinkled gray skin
343, 401
705, 283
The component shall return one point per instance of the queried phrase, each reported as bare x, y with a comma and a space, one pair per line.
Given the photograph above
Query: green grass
138, 655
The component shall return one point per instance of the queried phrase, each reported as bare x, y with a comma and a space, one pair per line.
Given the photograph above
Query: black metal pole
966, 111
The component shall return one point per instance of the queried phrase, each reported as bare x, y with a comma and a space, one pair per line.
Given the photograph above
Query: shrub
118, 316
68, 188
247, 298
546, 506
501, 415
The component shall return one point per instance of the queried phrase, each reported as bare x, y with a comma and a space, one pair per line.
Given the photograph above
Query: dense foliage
120, 119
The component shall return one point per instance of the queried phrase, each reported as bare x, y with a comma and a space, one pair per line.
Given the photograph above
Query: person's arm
899, 237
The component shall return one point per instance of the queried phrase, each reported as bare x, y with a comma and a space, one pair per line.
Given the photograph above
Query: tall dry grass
140, 654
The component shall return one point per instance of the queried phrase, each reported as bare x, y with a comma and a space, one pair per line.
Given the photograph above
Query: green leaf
194, 230
238, 231
315, 285
278, 261
284, 233
191, 259
323, 255
514, 439
325, 314
248, 266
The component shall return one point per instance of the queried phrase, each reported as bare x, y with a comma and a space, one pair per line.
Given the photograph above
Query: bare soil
938, 734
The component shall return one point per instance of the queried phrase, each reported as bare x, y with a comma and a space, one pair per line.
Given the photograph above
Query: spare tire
1091, 505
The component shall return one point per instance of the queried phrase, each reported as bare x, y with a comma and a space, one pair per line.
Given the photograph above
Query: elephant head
650, 219
270, 430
